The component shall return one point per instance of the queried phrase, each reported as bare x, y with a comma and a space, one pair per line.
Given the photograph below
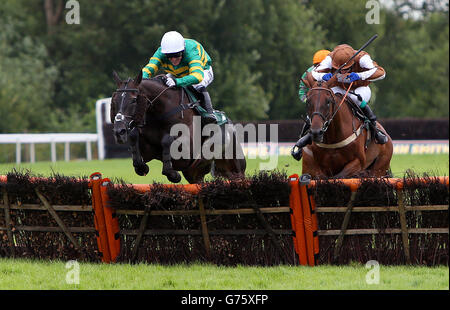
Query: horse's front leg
309, 165
350, 169
171, 174
140, 167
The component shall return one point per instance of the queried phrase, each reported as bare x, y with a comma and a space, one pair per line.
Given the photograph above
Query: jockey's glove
170, 82
354, 77
327, 77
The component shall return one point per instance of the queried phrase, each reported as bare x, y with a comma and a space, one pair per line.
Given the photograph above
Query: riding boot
206, 104
304, 140
380, 137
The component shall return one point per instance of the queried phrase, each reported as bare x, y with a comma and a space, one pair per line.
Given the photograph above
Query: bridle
327, 120
120, 116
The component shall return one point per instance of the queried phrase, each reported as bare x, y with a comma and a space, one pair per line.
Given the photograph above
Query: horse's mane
159, 79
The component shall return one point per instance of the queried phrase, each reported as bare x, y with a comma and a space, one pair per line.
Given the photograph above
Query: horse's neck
341, 127
164, 102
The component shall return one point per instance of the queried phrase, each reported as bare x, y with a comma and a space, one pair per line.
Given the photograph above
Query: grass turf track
123, 168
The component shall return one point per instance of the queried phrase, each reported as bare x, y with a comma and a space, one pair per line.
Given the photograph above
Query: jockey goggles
174, 55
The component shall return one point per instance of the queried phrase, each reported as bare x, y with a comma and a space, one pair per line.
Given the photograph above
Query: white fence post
88, 150
18, 151
53, 151
32, 153
67, 151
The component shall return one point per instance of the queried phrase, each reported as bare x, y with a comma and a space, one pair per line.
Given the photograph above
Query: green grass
31, 275
123, 168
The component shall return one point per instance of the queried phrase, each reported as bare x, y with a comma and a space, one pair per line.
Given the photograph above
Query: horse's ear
138, 78
117, 78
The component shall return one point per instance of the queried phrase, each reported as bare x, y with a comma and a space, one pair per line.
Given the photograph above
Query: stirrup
209, 118
297, 154
380, 137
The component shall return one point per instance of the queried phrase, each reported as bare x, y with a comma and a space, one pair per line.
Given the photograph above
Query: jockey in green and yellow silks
186, 63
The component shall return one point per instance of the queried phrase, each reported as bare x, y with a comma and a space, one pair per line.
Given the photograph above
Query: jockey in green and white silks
186, 63
318, 57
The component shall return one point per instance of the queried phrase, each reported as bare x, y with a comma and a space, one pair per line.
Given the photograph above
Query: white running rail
52, 138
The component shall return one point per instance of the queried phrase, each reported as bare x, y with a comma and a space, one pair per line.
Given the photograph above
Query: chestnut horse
164, 108
342, 145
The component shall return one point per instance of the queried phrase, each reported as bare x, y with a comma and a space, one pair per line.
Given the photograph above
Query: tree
26, 82
290, 35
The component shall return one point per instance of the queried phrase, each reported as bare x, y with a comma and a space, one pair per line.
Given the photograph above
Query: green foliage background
51, 76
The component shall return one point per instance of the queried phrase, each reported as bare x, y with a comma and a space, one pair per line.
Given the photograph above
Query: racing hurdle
258, 221
305, 214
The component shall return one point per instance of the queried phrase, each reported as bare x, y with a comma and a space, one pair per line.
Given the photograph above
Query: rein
349, 139
154, 99
328, 121
339, 106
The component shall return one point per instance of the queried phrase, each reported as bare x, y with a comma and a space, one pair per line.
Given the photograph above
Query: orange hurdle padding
99, 217
111, 221
307, 217
305, 180
396, 182
292, 198
297, 220
312, 203
191, 188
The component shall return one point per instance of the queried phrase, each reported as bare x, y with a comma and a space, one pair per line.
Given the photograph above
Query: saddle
194, 98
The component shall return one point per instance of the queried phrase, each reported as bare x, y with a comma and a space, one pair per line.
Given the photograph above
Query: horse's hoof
173, 176
142, 170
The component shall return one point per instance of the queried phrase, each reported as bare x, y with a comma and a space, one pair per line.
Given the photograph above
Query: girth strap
342, 143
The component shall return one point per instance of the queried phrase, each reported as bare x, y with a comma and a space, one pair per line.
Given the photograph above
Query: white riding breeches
363, 91
208, 77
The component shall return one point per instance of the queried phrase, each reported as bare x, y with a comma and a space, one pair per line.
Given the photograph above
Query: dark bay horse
164, 108
342, 145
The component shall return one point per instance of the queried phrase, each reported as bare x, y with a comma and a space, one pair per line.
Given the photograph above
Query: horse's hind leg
195, 176
171, 174
231, 166
381, 167
139, 166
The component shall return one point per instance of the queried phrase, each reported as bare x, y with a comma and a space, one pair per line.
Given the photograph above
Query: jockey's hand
353, 77
170, 82
342, 78
327, 77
